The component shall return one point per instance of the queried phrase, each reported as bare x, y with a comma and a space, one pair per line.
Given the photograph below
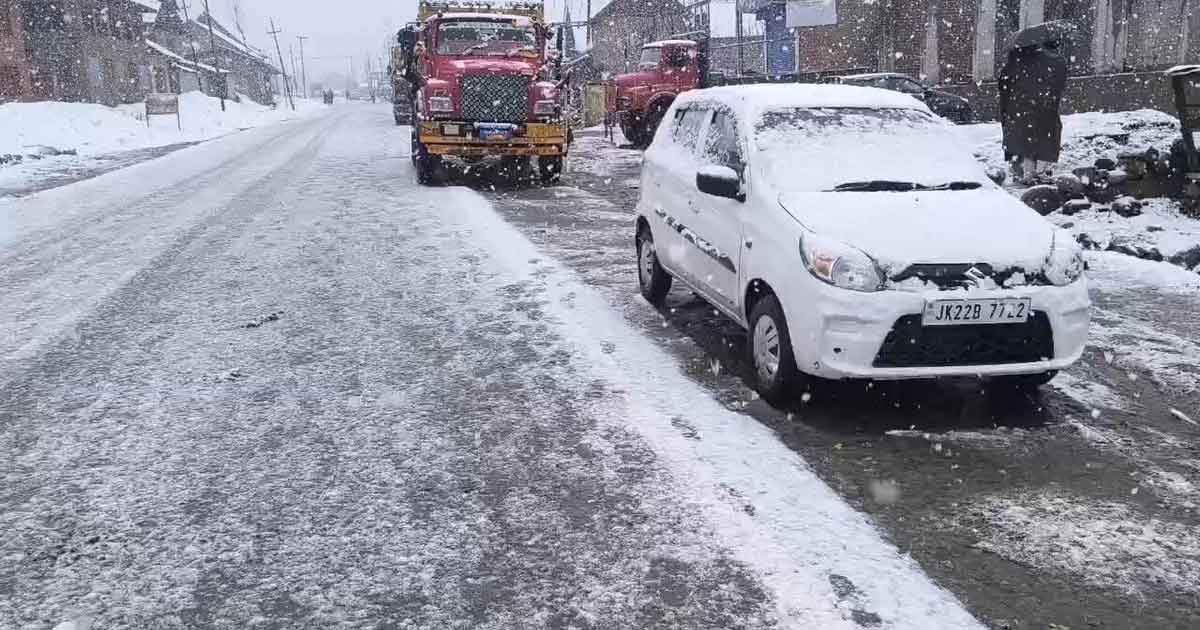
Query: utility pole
737, 11
370, 80
287, 87
303, 70
195, 55
295, 73
588, 37
212, 42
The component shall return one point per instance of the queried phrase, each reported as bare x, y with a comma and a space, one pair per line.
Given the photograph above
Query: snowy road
268, 382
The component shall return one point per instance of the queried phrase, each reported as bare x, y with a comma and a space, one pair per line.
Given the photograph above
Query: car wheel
770, 346
1024, 382
654, 281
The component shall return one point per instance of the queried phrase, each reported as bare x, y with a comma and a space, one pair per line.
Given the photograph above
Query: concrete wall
14, 68
1110, 92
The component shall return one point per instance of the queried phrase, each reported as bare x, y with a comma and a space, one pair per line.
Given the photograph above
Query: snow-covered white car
854, 237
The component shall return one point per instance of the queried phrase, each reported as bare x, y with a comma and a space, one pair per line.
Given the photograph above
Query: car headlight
545, 108
1065, 263
440, 104
839, 264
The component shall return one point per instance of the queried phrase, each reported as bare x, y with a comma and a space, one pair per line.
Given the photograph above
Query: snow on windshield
483, 37
814, 149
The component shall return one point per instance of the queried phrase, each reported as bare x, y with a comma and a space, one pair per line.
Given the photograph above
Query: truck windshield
650, 58
485, 37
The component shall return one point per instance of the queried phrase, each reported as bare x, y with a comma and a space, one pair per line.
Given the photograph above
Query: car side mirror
720, 181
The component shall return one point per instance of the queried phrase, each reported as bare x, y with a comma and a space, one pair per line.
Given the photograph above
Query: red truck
483, 84
638, 100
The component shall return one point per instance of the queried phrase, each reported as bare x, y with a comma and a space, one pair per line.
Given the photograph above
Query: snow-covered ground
49, 137
442, 426
1093, 135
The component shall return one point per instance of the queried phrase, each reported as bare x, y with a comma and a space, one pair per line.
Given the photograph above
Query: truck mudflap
482, 139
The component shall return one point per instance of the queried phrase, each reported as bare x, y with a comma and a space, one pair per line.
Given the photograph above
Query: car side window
908, 86
687, 130
721, 144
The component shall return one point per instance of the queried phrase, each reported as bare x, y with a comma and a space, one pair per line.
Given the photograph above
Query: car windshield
485, 37
849, 147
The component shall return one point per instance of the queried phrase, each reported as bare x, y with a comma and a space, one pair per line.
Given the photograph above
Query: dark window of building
43, 16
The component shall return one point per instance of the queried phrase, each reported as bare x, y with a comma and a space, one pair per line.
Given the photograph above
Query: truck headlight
545, 108
1065, 263
839, 264
441, 104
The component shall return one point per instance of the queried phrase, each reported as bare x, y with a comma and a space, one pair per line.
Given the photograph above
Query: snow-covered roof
1182, 70
186, 64
750, 101
669, 42
495, 17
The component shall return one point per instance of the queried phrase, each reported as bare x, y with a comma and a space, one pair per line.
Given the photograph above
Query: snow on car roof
750, 101
669, 42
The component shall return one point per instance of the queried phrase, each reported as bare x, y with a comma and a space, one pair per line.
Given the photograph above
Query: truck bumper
461, 138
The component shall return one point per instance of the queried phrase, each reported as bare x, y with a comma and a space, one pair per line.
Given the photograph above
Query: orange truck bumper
540, 139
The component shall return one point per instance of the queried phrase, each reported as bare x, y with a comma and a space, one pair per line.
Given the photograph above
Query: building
81, 50
621, 28
187, 56
14, 68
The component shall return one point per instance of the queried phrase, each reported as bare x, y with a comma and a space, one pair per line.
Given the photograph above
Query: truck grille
909, 344
495, 98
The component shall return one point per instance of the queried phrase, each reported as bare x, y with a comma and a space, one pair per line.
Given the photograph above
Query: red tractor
483, 83
638, 100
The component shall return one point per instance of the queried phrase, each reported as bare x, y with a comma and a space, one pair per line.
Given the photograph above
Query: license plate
987, 311
450, 130
495, 133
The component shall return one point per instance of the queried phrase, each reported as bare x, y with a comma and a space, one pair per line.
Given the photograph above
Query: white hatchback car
854, 237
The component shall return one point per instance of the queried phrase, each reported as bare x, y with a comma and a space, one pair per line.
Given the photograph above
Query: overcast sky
338, 29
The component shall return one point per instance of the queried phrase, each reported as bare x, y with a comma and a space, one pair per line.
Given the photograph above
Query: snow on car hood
903, 228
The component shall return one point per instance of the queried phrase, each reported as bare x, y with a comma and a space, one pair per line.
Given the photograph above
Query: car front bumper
841, 334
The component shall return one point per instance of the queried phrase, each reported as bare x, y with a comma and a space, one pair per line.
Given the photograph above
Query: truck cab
484, 84
638, 100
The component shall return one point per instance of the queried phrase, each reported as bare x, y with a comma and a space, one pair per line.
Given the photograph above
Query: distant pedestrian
1031, 86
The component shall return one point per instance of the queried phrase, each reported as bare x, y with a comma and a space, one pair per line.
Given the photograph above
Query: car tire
654, 281
550, 169
769, 345
1024, 382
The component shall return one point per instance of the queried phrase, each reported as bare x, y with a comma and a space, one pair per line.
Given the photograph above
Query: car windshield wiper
884, 185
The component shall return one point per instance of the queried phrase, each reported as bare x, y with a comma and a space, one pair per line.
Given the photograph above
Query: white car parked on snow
853, 237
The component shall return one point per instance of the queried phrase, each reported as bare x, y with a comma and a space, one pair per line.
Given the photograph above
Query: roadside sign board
163, 104
811, 13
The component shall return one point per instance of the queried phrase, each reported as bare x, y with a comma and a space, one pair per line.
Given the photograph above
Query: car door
670, 173
717, 220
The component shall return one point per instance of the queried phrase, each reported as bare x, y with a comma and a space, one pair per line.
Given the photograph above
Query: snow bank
1085, 136
95, 129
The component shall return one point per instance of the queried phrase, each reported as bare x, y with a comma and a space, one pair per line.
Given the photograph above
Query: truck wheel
426, 164
550, 169
650, 125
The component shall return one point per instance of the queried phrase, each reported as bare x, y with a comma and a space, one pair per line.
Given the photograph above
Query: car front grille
909, 344
495, 98
948, 276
